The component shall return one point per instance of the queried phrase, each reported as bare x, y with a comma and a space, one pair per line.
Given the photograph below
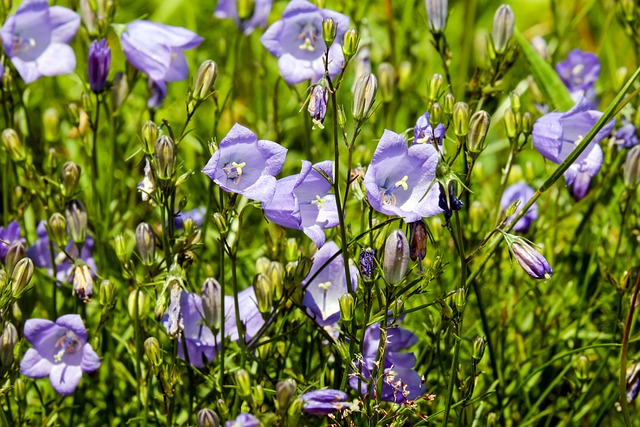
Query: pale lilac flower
325, 284
99, 64
522, 192
60, 351
303, 201
8, 235
555, 135
157, 50
157, 93
229, 9
318, 105
424, 133
243, 420
297, 42
245, 165
399, 180
325, 402
36, 39
196, 214
400, 382
250, 316
626, 136
579, 73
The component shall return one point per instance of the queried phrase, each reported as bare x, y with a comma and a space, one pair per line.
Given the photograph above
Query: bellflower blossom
243, 420
196, 214
325, 284
626, 136
99, 64
246, 166
39, 253
555, 135
296, 40
579, 73
423, 132
157, 50
522, 192
303, 202
60, 351
400, 382
229, 9
36, 39
325, 402
399, 180
8, 235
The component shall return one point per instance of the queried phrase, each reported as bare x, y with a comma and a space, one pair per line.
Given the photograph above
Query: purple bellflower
39, 253
531, 261
400, 382
325, 402
99, 64
626, 136
244, 420
250, 316
555, 135
449, 202
246, 166
296, 40
157, 50
399, 180
325, 284
8, 235
196, 214
522, 192
258, 18
36, 39
303, 201
60, 351
579, 73
318, 105
423, 132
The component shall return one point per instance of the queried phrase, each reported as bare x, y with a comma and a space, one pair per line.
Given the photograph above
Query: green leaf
545, 76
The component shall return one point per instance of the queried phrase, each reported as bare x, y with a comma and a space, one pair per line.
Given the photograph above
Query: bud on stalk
396, 257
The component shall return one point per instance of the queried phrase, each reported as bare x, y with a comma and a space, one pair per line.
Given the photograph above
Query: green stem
623, 356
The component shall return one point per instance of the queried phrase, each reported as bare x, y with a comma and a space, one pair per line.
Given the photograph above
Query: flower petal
65, 378
64, 22
33, 365
90, 360
74, 323
57, 59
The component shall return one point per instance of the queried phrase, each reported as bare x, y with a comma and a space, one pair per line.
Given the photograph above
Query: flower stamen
234, 171
319, 202
69, 343
308, 34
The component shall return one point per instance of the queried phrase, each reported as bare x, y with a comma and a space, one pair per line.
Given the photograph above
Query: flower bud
387, 79
347, 307
516, 105
479, 344
367, 263
221, 223
262, 265
99, 64
136, 297
8, 341
534, 264
510, 123
329, 30
21, 276
153, 352
448, 103
15, 253
527, 123
502, 32
205, 79
291, 249
434, 88
342, 117
285, 391
631, 170
20, 390
245, 9
121, 248
460, 299
396, 257
276, 274
364, 96
83, 282
51, 124
212, 303
628, 10
582, 368
437, 11
3, 282
461, 118
13, 145
243, 383
418, 235
478, 128
258, 395
76, 220
146, 243
70, 178
350, 43
264, 293
149, 136
165, 157
107, 293
207, 418
404, 75
318, 105
58, 228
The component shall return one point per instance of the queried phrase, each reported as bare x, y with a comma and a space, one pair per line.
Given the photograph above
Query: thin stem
623, 356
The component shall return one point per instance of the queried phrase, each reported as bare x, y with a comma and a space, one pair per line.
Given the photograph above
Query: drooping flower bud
146, 243
582, 368
364, 96
396, 257
21, 276
165, 157
418, 235
329, 30
478, 128
387, 80
631, 175
13, 145
437, 12
367, 263
434, 89
479, 344
83, 282
99, 64
207, 418
461, 118
285, 391
212, 303
318, 105
351, 39
8, 341
534, 264
503, 22
347, 307
76, 220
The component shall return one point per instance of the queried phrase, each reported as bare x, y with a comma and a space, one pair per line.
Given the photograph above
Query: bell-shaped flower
522, 192
325, 284
579, 73
424, 132
399, 180
256, 17
303, 201
245, 165
325, 401
555, 135
36, 39
8, 235
60, 351
297, 41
